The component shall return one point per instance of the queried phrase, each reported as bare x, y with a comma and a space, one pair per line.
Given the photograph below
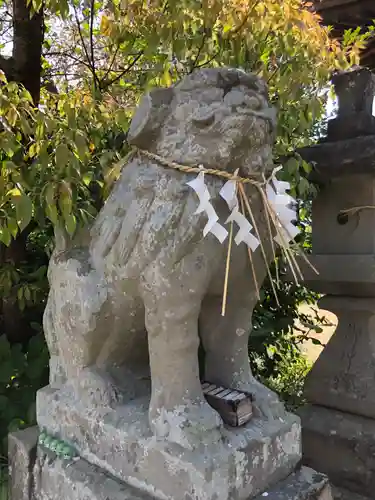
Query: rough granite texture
342, 446
343, 494
338, 427
49, 478
22, 457
304, 484
241, 464
132, 296
343, 376
127, 294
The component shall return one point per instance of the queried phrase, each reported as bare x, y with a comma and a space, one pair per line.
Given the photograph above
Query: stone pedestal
38, 475
247, 461
339, 424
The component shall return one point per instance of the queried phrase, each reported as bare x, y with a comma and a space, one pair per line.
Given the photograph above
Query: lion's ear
149, 117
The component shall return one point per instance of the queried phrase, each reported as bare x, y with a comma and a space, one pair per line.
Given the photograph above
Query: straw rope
271, 219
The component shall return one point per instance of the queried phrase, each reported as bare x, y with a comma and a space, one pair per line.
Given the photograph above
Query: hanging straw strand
227, 266
250, 256
247, 205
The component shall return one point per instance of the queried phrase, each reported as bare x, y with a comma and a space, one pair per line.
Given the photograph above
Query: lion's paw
95, 388
266, 403
188, 425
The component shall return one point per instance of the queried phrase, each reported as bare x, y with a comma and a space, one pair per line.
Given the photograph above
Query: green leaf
81, 144
303, 186
27, 293
5, 235
12, 226
52, 213
65, 200
166, 79
16, 424
87, 178
71, 224
24, 210
316, 341
62, 156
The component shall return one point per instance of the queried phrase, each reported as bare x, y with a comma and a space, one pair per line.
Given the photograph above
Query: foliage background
72, 72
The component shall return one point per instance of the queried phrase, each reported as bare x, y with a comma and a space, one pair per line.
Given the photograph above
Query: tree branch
204, 38
92, 40
89, 62
128, 68
70, 56
111, 63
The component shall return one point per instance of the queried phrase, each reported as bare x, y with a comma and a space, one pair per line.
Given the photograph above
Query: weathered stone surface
355, 92
351, 236
343, 494
344, 275
361, 124
22, 455
343, 376
341, 159
349, 146
127, 295
145, 265
340, 445
242, 463
305, 484
338, 429
86, 482
53, 479
80, 481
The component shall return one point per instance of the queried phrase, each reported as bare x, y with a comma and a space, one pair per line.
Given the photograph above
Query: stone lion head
218, 117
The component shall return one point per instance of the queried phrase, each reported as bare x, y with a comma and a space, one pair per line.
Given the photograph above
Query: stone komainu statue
135, 293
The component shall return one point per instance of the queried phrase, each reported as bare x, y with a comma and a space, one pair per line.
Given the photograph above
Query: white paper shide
284, 207
212, 225
229, 193
281, 203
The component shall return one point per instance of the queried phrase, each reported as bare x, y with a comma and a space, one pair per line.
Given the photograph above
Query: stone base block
342, 446
343, 494
244, 463
304, 484
36, 475
349, 127
22, 457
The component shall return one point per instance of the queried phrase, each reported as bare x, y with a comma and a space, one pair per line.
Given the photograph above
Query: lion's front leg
57, 375
225, 340
178, 410
76, 329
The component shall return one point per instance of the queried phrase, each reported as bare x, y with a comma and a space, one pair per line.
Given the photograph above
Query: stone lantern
339, 422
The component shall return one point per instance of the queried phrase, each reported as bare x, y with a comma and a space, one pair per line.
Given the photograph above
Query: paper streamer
203, 194
282, 204
229, 193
